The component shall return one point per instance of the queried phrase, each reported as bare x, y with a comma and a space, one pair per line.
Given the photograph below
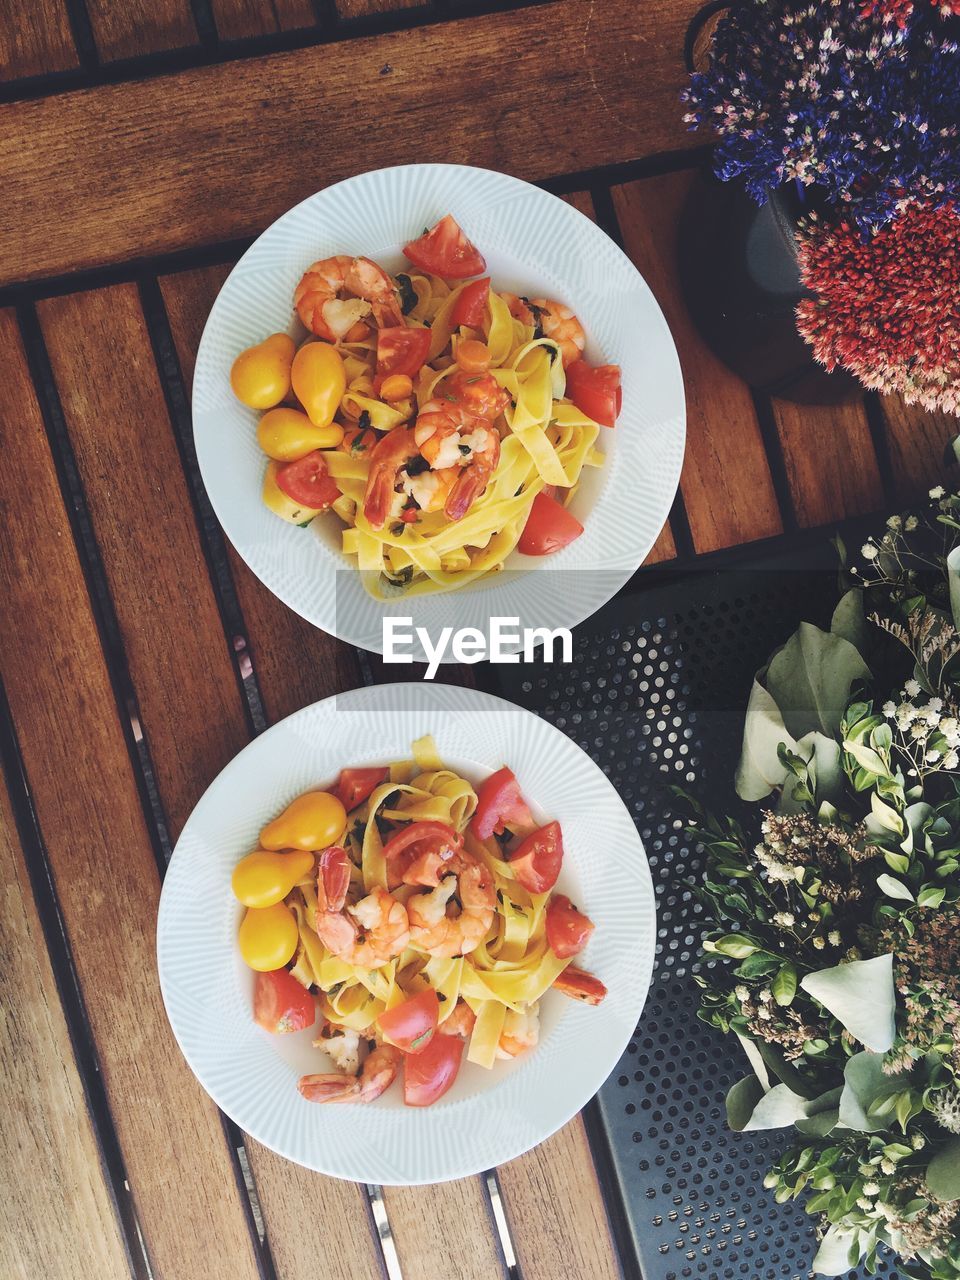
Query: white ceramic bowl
534, 244
488, 1117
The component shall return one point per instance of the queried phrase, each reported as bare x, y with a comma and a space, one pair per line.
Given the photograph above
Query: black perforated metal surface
656, 696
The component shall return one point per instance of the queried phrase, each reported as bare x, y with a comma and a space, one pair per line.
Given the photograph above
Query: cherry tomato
549, 527
580, 986
445, 251
470, 308
260, 376
312, 821
399, 386
473, 356
400, 351
307, 481
268, 936
265, 877
499, 802
596, 390
319, 379
410, 1026
568, 929
354, 785
281, 1004
428, 1075
536, 861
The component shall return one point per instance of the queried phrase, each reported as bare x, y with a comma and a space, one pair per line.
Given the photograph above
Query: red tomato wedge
470, 308
308, 482
568, 929
445, 251
410, 1026
499, 802
580, 986
354, 785
400, 350
416, 854
536, 861
596, 390
549, 527
280, 1004
428, 1075
417, 832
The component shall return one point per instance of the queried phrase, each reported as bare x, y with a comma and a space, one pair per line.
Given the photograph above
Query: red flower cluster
887, 309
900, 11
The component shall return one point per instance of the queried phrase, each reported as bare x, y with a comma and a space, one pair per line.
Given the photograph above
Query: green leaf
778, 1109
865, 1084
930, 896
896, 861
741, 1101
848, 619
760, 768
810, 679
943, 1172
885, 817
736, 945
867, 758
861, 995
894, 888
784, 985
953, 578
757, 966
836, 1247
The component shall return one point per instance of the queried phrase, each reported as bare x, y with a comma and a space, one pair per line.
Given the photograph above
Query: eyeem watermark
503, 641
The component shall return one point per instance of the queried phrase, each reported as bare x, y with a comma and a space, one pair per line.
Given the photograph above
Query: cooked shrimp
389, 456
559, 323
322, 308
369, 932
461, 1022
343, 1046
519, 308
520, 1032
377, 1074
438, 928
448, 436
478, 393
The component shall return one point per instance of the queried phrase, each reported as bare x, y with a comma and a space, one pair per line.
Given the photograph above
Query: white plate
535, 244
488, 1117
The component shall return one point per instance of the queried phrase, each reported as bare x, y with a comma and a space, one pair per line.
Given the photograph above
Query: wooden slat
105, 872
140, 26
917, 443
830, 461
189, 702
554, 1207
726, 482
35, 38
296, 664
57, 1218
365, 8
444, 1230
236, 19
182, 161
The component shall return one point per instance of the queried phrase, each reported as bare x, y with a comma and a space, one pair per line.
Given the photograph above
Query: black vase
739, 273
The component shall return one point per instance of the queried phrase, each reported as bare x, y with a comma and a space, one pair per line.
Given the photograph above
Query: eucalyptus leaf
760, 768
861, 995
784, 985
943, 1172
834, 1253
755, 1058
864, 1083
741, 1102
849, 621
820, 1125
894, 888
810, 679
778, 1109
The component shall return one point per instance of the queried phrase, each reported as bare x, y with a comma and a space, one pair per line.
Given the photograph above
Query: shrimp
461, 1022
449, 436
478, 393
343, 1046
387, 458
435, 925
370, 932
560, 324
520, 1032
329, 315
377, 1075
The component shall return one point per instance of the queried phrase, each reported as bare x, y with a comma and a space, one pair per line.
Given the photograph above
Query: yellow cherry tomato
312, 821
288, 434
260, 376
263, 877
268, 937
319, 380
275, 500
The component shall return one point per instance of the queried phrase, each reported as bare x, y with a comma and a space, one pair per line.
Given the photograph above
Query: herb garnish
408, 295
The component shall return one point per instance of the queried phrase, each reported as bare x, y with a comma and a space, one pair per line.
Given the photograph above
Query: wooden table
143, 145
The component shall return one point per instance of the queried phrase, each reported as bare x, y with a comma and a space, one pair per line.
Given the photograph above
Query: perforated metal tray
656, 695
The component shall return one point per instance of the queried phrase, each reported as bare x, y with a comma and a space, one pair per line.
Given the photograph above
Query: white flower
819, 943
887, 1167
912, 687
764, 1013
894, 523
932, 757
741, 992
766, 995
833, 937
918, 1141
869, 551
949, 725
937, 491
935, 704
785, 919
951, 760
889, 710
865, 1204
918, 729
910, 524
871, 1189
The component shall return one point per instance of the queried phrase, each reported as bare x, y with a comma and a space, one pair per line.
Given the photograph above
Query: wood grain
554, 1208
86, 800
236, 19
444, 1230
295, 663
726, 482
57, 1217
830, 461
220, 151
366, 8
140, 26
35, 38
917, 442
190, 706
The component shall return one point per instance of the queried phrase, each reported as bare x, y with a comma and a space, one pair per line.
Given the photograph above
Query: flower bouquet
859, 101
834, 953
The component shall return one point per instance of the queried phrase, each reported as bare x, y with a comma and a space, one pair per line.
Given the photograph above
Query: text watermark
503, 641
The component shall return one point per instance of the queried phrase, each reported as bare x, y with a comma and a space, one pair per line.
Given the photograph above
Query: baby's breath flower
887, 1167
819, 943
951, 760
786, 919
833, 937
894, 522
912, 687
869, 551
741, 992
889, 710
918, 1141
932, 756
937, 491
909, 525
871, 1188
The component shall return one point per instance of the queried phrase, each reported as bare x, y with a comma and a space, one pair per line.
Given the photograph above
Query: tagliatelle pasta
414, 904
